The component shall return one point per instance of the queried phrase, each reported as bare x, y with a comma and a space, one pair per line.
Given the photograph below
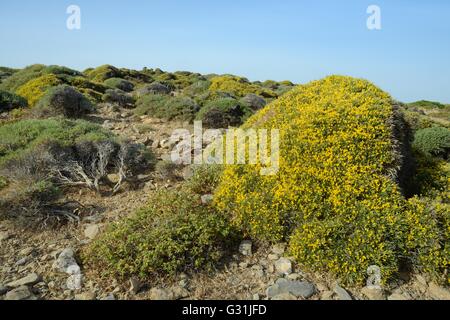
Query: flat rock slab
303, 289
20, 293
30, 279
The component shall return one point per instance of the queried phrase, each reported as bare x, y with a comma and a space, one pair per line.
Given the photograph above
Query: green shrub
223, 113
433, 141
204, 179
21, 77
197, 88
83, 83
35, 89
63, 100
239, 87
253, 101
6, 72
102, 73
118, 97
427, 104
166, 107
153, 88
174, 233
118, 83
334, 197
9, 101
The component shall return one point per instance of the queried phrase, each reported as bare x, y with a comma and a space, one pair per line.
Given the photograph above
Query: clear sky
285, 39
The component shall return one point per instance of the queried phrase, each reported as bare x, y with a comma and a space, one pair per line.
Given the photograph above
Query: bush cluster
118, 97
174, 233
239, 87
166, 107
433, 141
35, 89
63, 100
9, 101
118, 83
223, 113
334, 197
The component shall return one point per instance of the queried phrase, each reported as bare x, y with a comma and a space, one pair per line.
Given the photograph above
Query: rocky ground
42, 263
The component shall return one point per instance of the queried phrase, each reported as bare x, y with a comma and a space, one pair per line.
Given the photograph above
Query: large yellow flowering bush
335, 196
35, 89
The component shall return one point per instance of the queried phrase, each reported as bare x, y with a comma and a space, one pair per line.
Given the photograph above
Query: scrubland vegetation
363, 180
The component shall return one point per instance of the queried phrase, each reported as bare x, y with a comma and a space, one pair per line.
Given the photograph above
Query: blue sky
295, 40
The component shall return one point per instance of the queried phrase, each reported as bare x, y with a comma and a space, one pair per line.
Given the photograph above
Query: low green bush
204, 179
433, 141
174, 233
21, 77
10, 101
63, 100
118, 97
166, 107
118, 83
223, 113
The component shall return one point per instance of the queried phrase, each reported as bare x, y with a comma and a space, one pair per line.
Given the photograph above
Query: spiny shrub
253, 101
197, 88
9, 101
118, 97
153, 88
433, 141
223, 113
174, 233
118, 83
334, 196
35, 89
239, 86
63, 100
166, 107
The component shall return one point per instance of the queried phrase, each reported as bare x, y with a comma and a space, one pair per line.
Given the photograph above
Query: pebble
279, 248
20, 293
135, 285
245, 248
273, 257
5, 235
91, 231
283, 266
74, 282
30, 279
342, 293
373, 293
85, 296
207, 198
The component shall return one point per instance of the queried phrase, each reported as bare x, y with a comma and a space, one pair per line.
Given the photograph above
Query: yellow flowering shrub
239, 86
334, 197
35, 89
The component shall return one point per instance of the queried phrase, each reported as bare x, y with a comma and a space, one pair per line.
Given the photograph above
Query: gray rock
437, 292
279, 248
397, 296
75, 282
109, 297
91, 231
30, 279
283, 266
160, 294
207, 198
373, 293
301, 289
273, 257
255, 297
3, 289
22, 261
342, 293
179, 292
245, 248
284, 297
85, 296
20, 293
135, 285
65, 260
